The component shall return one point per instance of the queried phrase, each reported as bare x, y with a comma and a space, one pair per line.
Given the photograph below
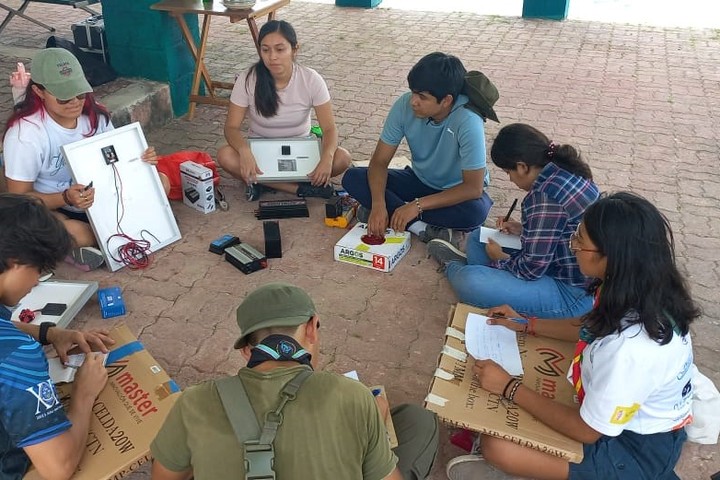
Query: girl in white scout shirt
633, 364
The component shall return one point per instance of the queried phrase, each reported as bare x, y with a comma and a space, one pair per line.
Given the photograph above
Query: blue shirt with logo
30, 409
440, 150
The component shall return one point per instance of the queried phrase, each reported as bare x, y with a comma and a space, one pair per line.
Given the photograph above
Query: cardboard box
197, 186
127, 414
459, 400
351, 249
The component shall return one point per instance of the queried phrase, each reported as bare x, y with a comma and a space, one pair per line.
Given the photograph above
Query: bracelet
417, 204
42, 336
66, 198
504, 392
511, 397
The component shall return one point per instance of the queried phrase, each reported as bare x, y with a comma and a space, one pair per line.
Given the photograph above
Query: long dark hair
266, 96
33, 103
641, 274
30, 234
519, 142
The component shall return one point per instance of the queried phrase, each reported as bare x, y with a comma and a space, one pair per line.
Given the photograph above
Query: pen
512, 207
520, 320
88, 187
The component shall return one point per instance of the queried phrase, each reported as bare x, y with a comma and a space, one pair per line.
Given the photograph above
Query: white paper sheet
60, 373
493, 342
504, 239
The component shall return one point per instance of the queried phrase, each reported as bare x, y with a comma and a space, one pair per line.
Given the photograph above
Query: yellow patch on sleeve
623, 415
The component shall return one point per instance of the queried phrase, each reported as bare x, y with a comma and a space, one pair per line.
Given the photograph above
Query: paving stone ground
641, 102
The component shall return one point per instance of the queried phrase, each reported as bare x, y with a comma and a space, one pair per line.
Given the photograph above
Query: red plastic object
463, 439
372, 239
170, 166
26, 315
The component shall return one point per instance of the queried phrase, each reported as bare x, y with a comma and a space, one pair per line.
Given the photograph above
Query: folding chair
20, 11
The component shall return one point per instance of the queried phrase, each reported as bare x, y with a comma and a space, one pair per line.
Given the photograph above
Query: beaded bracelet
511, 397
504, 392
66, 198
417, 204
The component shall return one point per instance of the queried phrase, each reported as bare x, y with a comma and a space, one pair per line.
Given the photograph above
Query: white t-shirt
306, 90
32, 150
633, 383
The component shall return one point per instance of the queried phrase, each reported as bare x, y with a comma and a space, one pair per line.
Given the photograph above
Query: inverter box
197, 186
352, 249
127, 414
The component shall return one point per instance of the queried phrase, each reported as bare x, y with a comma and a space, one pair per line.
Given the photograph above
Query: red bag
170, 166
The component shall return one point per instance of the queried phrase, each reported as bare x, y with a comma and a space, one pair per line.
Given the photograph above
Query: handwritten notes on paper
493, 342
504, 239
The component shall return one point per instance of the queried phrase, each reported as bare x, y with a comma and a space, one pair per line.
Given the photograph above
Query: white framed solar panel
129, 196
285, 159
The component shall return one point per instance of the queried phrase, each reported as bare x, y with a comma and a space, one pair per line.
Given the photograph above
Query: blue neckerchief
281, 348
5, 313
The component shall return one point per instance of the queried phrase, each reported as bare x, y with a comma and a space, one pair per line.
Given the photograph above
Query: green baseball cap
273, 305
60, 73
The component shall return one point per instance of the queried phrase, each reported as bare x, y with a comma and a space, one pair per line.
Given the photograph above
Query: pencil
512, 207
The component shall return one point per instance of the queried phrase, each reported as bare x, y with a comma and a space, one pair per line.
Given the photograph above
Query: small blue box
111, 302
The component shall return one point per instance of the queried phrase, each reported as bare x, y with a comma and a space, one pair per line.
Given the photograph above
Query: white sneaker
465, 467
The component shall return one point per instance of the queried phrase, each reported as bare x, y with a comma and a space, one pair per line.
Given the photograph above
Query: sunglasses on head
80, 97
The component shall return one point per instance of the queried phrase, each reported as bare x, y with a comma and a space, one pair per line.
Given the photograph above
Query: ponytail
266, 95
519, 142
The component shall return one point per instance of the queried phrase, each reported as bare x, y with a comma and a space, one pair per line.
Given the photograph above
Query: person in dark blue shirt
34, 427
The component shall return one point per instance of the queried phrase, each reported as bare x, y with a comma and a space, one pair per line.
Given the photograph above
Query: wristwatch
44, 327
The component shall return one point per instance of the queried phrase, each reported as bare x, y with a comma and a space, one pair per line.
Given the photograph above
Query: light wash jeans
483, 286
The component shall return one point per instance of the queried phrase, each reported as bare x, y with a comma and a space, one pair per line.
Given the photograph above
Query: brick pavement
643, 104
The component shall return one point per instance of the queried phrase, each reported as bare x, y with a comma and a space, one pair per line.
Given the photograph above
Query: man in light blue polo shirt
444, 189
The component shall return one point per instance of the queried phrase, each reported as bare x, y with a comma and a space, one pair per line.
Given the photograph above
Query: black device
285, 149
333, 207
54, 309
273, 243
219, 245
715, 476
109, 154
268, 209
245, 258
192, 194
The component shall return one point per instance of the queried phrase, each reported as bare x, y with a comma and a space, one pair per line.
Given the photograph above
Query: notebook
285, 159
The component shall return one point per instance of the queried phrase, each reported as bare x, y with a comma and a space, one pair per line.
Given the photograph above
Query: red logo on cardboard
550, 362
138, 397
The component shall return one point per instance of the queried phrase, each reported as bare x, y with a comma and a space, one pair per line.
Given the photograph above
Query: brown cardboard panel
127, 414
458, 399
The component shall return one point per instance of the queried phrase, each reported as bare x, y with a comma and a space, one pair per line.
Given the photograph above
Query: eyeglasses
80, 97
574, 238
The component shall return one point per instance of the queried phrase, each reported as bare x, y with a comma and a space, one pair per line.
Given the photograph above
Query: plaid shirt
551, 211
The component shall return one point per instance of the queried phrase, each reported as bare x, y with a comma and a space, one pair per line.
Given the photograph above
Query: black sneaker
445, 252
307, 190
253, 191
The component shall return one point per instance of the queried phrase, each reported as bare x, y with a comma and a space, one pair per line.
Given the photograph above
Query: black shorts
72, 215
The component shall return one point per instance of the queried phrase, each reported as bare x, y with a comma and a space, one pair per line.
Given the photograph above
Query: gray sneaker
85, 258
445, 252
465, 467
442, 233
363, 214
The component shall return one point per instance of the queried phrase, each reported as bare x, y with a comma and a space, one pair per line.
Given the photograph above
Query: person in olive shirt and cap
333, 428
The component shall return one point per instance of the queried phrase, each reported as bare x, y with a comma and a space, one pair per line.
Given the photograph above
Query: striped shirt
30, 411
551, 211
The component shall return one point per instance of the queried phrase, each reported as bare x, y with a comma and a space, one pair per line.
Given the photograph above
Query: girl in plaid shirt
543, 277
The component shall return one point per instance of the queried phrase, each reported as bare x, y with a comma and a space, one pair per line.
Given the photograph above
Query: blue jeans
404, 186
483, 286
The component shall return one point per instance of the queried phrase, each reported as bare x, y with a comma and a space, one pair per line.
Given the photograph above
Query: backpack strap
259, 451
